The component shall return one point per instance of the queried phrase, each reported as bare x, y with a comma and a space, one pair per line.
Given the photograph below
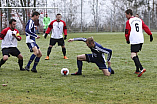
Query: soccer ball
65, 71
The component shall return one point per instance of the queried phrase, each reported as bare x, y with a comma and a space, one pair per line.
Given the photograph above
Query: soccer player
57, 26
9, 37
134, 36
31, 43
96, 57
46, 22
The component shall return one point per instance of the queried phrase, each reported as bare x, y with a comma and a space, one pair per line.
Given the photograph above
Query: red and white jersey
133, 30
57, 29
7, 39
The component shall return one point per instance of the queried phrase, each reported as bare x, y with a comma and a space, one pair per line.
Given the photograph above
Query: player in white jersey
9, 37
57, 26
134, 36
31, 43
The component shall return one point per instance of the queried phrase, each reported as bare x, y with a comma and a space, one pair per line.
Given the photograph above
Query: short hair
90, 40
35, 13
129, 11
58, 14
46, 13
12, 20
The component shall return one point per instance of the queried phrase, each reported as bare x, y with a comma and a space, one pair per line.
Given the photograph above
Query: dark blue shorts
31, 45
100, 64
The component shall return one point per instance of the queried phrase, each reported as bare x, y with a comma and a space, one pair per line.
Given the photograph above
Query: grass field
48, 86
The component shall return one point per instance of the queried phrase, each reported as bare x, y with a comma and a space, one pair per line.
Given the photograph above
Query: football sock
31, 59
49, 51
37, 59
2, 62
109, 69
137, 62
44, 30
64, 51
79, 65
20, 63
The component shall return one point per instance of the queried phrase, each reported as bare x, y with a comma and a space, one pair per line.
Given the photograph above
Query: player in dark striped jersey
96, 57
31, 43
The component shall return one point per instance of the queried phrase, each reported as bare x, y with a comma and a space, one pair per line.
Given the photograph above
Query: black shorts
59, 41
136, 47
12, 50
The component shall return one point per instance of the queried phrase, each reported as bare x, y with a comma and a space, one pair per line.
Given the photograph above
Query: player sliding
96, 57
9, 37
31, 43
134, 36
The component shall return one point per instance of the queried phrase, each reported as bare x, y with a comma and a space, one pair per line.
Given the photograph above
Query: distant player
31, 43
96, 57
9, 37
46, 22
57, 26
134, 36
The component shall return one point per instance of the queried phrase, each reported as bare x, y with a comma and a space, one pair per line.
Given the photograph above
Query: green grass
48, 86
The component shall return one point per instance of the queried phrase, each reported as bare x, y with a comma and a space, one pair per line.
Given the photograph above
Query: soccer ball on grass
64, 71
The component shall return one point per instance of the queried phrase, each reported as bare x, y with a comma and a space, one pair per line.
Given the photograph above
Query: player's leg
5, 53
33, 49
62, 44
106, 72
20, 62
80, 58
64, 52
51, 44
37, 59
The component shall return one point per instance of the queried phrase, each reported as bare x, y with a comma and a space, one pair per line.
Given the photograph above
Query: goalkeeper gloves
45, 35
65, 37
151, 38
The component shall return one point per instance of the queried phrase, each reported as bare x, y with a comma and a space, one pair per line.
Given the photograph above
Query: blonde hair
90, 40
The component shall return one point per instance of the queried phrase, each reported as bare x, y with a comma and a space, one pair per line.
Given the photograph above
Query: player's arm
77, 39
17, 36
28, 30
3, 33
147, 30
127, 32
65, 30
106, 51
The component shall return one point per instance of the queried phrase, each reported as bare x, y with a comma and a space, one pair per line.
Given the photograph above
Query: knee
20, 57
5, 58
107, 74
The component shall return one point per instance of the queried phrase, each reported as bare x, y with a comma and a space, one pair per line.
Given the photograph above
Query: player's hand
65, 37
38, 37
128, 42
70, 40
45, 35
151, 38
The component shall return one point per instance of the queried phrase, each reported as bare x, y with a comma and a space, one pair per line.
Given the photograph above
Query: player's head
12, 24
90, 42
35, 15
137, 15
58, 17
128, 13
46, 14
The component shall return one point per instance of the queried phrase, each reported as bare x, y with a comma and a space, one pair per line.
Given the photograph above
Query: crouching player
96, 57
9, 37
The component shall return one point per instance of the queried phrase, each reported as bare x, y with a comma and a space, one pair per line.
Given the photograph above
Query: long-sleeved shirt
30, 32
133, 30
98, 51
57, 29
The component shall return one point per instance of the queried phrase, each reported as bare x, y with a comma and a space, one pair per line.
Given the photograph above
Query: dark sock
44, 31
109, 69
79, 65
64, 51
2, 62
49, 51
37, 59
137, 62
31, 59
20, 64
